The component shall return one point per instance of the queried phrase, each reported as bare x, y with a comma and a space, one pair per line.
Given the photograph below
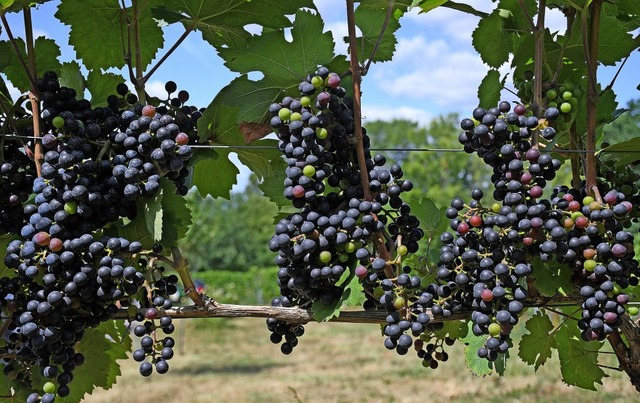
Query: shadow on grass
215, 368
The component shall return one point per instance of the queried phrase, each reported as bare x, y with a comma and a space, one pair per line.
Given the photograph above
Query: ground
232, 360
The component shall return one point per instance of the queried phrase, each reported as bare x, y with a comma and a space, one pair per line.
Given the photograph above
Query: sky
435, 69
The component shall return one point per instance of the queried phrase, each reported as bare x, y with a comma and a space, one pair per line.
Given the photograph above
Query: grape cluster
71, 275
485, 264
561, 95
334, 231
17, 172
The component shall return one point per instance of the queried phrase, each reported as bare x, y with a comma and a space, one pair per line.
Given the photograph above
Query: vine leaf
245, 100
104, 345
261, 160
213, 172
101, 85
14, 6
103, 48
623, 153
432, 218
167, 215
153, 216
254, 131
272, 185
370, 18
578, 359
490, 88
428, 5
536, 346
223, 22
492, 41
71, 77
478, 366
4, 242
551, 278
137, 229
453, 329
46, 55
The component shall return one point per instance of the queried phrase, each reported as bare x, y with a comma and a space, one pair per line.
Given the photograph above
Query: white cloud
339, 30
372, 113
432, 71
155, 88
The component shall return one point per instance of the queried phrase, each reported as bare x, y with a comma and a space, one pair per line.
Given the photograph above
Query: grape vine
94, 170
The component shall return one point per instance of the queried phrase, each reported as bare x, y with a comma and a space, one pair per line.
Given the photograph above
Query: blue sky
435, 69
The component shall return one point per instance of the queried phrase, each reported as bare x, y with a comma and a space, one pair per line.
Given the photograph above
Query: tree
94, 208
230, 234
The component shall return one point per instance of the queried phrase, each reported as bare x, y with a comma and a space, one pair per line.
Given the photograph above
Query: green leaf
614, 42
324, 312
429, 5
491, 40
500, 364
14, 6
578, 358
283, 65
4, 242
623, 153
489, 89
432, 219
101, 85
70, 76
176, 216
102, 346
153, 216
356, 294
552, 277
370, 18
99, 32
478, 366
222, 22
454, 329
213, 172
260, 160
536, 346
137, 229
46, 56
273, 185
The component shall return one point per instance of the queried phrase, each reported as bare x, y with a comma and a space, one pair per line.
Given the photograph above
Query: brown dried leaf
254, 131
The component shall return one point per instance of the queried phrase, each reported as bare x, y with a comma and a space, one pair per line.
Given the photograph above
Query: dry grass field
232, 360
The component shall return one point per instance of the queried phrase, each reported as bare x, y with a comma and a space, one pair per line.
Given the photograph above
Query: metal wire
397, 149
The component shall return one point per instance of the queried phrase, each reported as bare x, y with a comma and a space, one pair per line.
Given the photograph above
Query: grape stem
538, 63
181, 265
166, 55
355, 68
34, 93
590, 44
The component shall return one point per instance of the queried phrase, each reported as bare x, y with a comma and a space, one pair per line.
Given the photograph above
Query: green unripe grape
58, 122
562, 89
565, 107
552, 104
552, 94
577, 92
633, 310
350, 247
589, 265
309, 171
494, 329
321, 133
295, 116
568, 86
325, 256
402, 250
574, 102
399, 302
317, 81
49, 387
576, 214
71, 207
587, 200
343, 257
378, 292
495, 207
305, 101
567, 95
284, 113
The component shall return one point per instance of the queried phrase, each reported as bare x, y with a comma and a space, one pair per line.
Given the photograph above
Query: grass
232, 360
